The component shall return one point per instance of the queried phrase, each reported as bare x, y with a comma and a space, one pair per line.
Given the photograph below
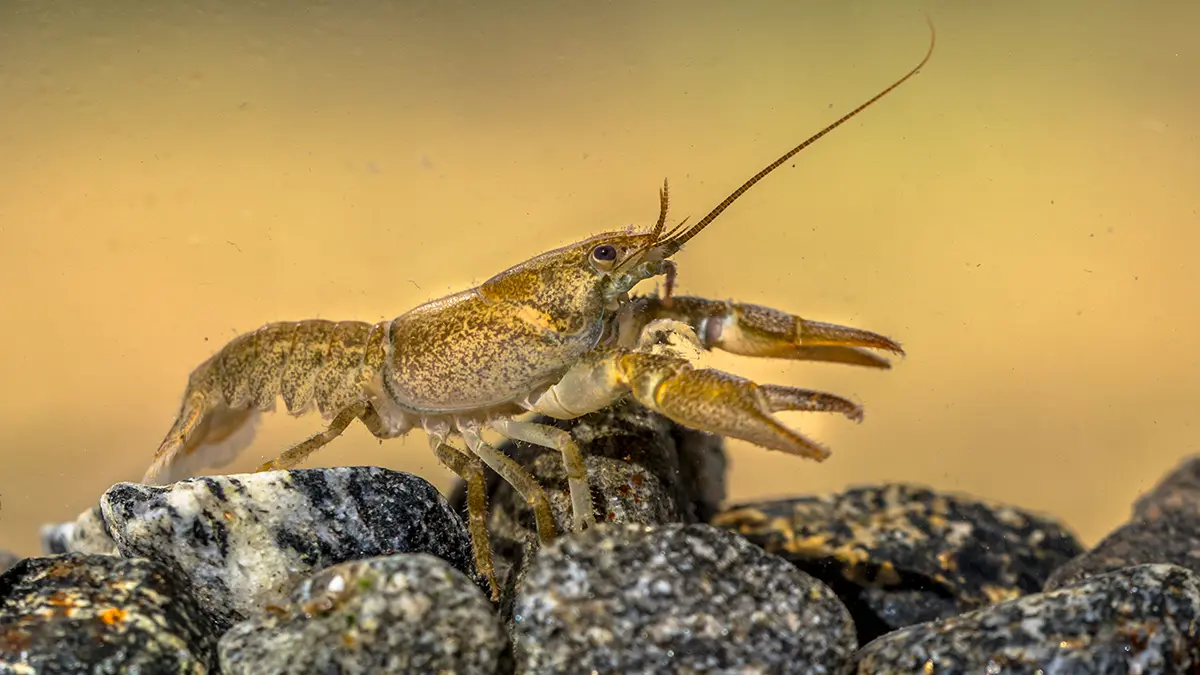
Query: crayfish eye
604, 253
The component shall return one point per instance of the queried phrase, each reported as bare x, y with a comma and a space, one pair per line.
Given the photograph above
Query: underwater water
1022, 215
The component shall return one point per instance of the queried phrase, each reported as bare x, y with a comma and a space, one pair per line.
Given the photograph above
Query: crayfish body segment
558, 335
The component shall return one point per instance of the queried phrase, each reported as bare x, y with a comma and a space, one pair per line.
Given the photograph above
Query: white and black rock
901, 554
407, 613
643, 468
674, 598
86, 534
1143, 619
243, 541
1165, 528
89, 613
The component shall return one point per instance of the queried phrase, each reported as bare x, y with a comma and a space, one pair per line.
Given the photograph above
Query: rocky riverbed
366, 570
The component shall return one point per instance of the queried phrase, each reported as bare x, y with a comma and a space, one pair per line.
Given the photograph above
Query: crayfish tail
207, 434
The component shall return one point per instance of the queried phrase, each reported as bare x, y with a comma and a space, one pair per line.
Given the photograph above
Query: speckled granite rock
81, 613
1165, 528
643, 469
86, 534
1144, 620
674, 598
396, 614
901, 554
243, 541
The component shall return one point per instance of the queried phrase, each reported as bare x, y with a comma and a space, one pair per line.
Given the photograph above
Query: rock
1179, 489
396, 614
1165, 528
243, 541
899, 554
1143, 619
86, 534
88, 613
1172, 537
674, 598
643, 469
7, 560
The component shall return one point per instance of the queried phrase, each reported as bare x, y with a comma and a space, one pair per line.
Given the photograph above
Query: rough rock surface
643, 469
407, 613
1165, 528
81, 613
1143, 620
901, 554
674, 598
243, 541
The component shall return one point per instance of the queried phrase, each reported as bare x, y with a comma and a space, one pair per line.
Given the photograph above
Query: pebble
243, 541
674, 598
1165, 528
7, 560
86, 534
90, 613
901, 554
1179, 489
1143, 620
407, 613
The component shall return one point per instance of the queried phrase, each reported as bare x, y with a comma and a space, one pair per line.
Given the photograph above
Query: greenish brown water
1022, 215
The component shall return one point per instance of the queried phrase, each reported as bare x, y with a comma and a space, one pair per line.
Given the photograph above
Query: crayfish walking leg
470, 469
300, 452
514, 474
550, 437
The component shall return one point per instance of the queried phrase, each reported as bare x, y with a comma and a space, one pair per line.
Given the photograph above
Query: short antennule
662, 212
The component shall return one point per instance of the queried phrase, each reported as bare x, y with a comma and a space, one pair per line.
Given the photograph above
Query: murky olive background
1022, 215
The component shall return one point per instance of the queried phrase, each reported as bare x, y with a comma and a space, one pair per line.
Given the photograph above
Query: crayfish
559, 334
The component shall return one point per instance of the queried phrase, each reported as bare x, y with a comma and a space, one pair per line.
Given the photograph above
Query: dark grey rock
7, 560
902, 554
81, 613
395, 614
1179, 489
1173, 537
243, 541
877, 610
86, 534
643, 469
1165, 528
1143, 620
674, 598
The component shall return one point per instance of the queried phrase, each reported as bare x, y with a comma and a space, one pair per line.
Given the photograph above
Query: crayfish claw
755, 330
727, 405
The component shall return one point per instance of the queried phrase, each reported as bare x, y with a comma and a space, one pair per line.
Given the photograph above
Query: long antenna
677, 242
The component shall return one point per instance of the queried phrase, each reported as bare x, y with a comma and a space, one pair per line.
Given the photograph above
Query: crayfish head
579, 284
623, 261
